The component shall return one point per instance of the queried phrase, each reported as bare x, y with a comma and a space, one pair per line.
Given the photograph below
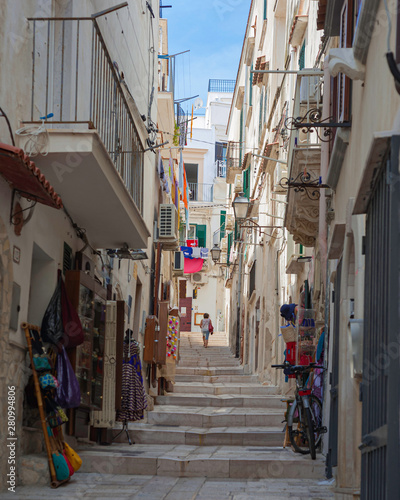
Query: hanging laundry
191, 266
181, 167
134, 400
187, 252
196, 253
204, 253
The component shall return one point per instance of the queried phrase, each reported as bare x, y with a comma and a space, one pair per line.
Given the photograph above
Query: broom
54, 482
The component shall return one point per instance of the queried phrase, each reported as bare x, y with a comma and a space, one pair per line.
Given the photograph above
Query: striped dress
134, 400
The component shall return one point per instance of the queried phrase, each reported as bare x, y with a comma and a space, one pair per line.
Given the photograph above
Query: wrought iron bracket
14, 219
304, 184
312, 122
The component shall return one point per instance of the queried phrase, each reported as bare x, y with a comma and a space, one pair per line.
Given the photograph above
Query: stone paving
113, 487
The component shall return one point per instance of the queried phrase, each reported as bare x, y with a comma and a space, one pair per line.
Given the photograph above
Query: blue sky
213, 30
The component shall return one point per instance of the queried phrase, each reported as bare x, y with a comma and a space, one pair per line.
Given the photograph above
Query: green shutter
302, 56
230, 238
201, 233
246, 183
222, 220
265, 9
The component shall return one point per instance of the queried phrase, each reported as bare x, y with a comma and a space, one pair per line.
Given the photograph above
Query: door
185, 308
332, 455
380, 460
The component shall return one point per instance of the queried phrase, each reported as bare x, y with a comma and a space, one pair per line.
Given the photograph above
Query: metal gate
381, 373
332, 455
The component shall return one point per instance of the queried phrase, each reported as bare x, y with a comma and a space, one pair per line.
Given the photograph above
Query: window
192, 232
252, 284
220, 151
302, 56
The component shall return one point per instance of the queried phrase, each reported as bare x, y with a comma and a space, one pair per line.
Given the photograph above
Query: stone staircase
218, 422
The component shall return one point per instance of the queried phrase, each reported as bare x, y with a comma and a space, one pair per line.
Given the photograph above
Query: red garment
192, 265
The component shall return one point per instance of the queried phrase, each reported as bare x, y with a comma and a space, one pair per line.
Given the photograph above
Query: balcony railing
201, 192
220, 168
74, 77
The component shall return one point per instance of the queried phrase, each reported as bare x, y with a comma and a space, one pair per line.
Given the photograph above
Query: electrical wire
38, 139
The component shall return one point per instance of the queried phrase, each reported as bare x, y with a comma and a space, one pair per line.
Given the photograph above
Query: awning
25, 177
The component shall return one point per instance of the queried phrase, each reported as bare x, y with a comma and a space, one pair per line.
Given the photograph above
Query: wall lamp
241, 206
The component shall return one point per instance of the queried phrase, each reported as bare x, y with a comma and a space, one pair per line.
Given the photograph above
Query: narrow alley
180, 173
217, 436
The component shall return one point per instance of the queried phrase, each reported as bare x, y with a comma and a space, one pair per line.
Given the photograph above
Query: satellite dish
198, 103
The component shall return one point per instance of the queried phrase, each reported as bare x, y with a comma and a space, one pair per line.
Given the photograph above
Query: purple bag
68, 392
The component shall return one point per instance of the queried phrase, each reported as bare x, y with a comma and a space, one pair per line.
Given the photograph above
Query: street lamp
215, 253
240, 206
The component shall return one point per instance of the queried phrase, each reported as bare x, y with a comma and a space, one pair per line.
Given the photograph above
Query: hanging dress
134, 400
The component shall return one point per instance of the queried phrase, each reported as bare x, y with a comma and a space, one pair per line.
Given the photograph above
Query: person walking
205, 325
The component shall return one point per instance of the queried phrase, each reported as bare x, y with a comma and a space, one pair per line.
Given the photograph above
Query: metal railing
220, 168
227, 86
201, 192
74, 77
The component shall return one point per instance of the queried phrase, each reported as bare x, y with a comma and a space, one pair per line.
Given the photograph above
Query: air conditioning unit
238, 183
229, 222
168, 222
310, 89
199, 278
178, 262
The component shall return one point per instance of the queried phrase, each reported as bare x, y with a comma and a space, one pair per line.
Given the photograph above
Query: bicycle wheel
316, 415
298, 432
310, 432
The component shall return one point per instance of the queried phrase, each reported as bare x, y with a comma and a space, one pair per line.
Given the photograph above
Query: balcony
201, 192
304, 158
95, 138
233, 161
220, 168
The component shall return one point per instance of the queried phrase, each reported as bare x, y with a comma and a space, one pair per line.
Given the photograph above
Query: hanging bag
210, 328
68, 393
52, 326
73, 457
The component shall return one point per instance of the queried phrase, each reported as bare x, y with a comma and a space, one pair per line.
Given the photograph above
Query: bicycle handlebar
298, 367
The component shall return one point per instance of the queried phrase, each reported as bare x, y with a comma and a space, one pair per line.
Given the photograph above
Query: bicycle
307, 436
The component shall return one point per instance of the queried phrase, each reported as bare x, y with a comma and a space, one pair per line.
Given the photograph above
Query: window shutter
201, 233
251, 87
302, 56
219, 151
344, 82
265, 9
222, 221
230, 240
246, 183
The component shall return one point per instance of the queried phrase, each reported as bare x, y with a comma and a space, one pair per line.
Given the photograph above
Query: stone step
200, 461
221, 401
198, 416
215, 363
218, 389
217, 379
142, 433
209, 371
